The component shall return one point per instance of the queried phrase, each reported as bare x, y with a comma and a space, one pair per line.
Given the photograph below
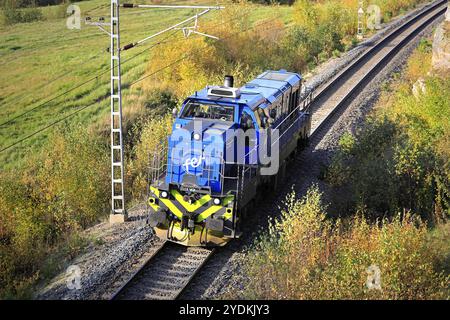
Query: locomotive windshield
198, 110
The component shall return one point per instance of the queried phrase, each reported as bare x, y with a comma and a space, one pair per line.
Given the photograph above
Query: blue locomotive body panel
204, 159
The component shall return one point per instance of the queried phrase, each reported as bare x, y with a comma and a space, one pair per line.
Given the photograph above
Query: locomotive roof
267, 86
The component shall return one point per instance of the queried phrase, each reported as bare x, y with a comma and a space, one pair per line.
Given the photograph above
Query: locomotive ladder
118, 212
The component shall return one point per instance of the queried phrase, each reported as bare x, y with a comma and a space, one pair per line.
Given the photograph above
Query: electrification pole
118, 211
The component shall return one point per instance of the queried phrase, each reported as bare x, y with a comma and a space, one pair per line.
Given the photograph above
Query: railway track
166, 272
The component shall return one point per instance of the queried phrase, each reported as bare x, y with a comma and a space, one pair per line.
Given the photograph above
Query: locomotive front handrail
158, 173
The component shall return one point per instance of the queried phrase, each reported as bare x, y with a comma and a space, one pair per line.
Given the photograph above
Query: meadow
42, 60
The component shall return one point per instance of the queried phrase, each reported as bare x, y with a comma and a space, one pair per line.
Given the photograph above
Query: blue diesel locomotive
228, 146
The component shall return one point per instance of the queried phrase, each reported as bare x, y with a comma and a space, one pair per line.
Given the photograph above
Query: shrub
390, 9
76, 175
13, 15
140, 106
304, 255
399, 160
159, 103
63, 190
326, 26
152, 141
33, 14
420, 62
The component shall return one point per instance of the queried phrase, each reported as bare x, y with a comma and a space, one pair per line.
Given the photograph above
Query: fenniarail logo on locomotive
194, 162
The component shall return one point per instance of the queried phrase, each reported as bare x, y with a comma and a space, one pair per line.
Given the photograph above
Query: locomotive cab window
276, 111
196, 110
246, 121
261, 118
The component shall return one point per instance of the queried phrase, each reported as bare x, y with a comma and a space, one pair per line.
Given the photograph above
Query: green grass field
42, 60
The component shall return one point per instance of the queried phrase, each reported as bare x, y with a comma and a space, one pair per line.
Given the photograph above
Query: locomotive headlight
216, 201
164, 194
197, 136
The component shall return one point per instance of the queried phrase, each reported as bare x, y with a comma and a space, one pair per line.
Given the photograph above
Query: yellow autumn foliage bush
62, 191
400, 159
151, 146
248, 44
305, 255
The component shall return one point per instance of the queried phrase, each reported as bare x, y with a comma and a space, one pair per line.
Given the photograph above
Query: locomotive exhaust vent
228, 82
226, 90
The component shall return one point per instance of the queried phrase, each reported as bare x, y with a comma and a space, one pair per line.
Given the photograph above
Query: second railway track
336, 92
167, 272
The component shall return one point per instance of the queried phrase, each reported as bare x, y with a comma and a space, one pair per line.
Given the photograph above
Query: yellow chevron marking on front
192, 207
172, 207
155, 191
153, 205
205, 214
168, 203
213, 209
227, 200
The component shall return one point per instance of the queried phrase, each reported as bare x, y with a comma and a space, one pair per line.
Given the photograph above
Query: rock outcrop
441, 47
419, 88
